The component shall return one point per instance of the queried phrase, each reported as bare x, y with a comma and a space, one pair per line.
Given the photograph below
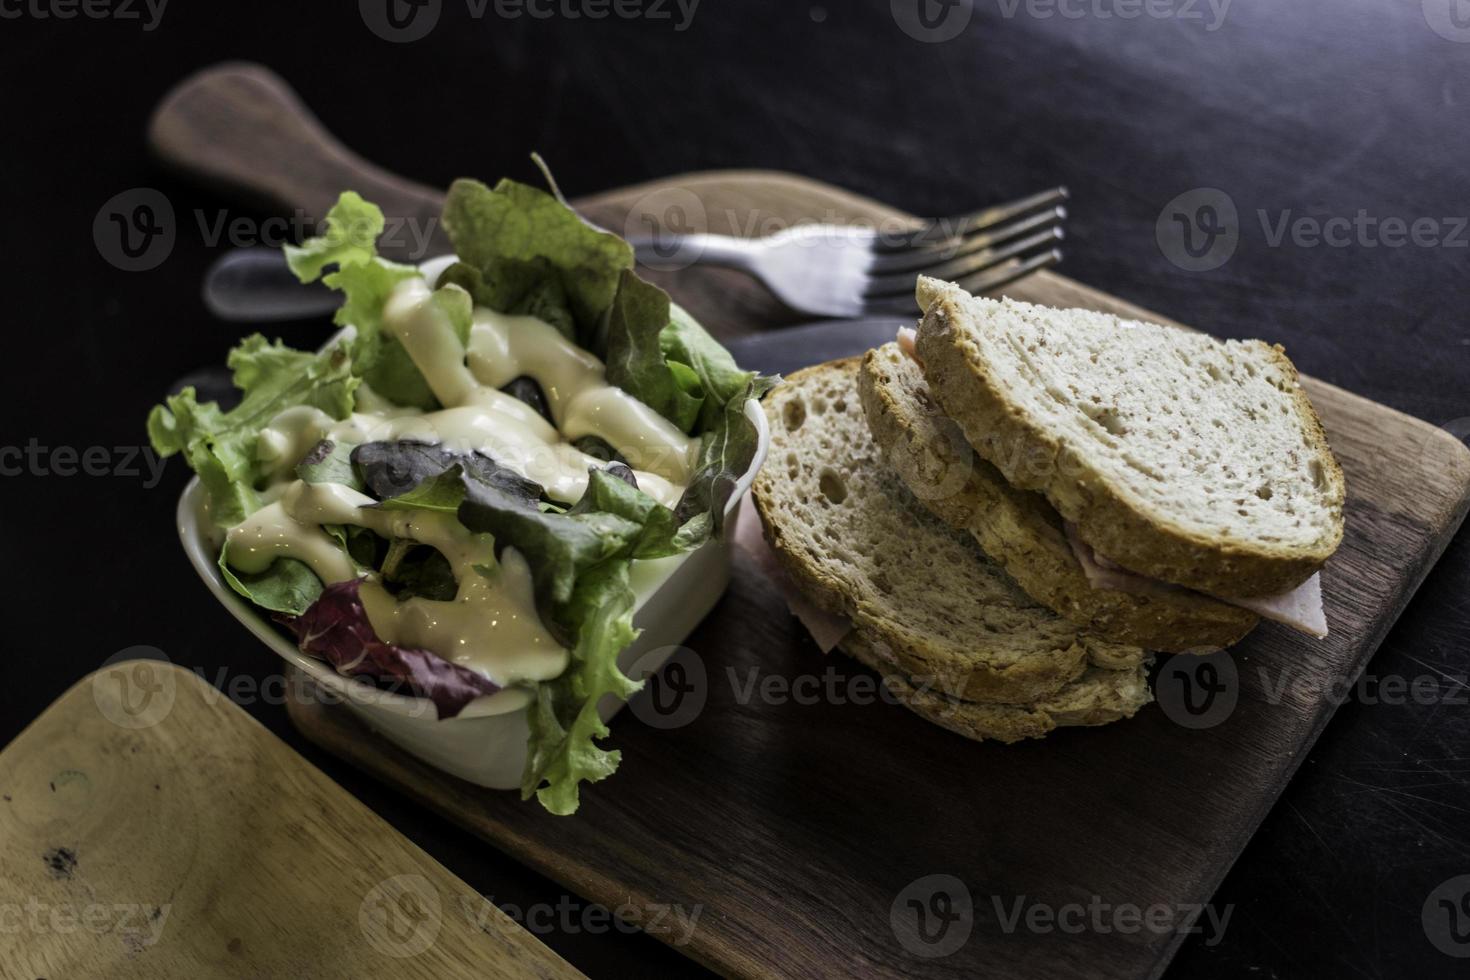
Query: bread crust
1096, 698
1018, 528
969, 678
1106, 518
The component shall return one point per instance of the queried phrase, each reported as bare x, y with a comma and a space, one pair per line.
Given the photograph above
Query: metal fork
825, 270
839, 271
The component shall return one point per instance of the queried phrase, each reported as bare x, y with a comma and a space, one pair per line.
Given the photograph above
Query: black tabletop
1321, 145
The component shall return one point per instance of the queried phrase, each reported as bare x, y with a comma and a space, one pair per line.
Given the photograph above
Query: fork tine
881, 287
939, 231
981, 283
927, 255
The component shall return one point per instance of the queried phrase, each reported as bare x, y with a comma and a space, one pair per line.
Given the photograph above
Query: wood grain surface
799, 815
150, 828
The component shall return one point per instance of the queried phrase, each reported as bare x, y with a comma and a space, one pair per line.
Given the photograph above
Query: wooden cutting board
830, 835
150, 828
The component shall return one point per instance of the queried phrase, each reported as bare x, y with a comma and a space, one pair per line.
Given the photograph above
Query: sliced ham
1301, 608
826, 629
907, 338
1104, 574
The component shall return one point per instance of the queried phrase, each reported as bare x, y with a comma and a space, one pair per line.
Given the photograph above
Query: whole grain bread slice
858, 545
1018, 528
1180, 457
1096, 697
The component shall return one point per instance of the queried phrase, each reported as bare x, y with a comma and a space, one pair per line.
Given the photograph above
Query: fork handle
240, 127
666, 251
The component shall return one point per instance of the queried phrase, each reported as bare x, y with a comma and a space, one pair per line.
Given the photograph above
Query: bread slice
1097, 697
858, 545
1180, 457
1018, 529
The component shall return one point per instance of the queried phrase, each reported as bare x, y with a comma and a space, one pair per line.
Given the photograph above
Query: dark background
1314, 107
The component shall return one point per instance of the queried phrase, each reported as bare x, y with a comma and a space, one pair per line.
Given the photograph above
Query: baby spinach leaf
329, 462
392, 470
287, 586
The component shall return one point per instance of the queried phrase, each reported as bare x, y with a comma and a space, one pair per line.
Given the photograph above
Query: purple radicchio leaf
336, 629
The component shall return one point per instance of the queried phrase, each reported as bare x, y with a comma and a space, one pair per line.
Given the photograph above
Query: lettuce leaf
403, 474
336, 629
686, 344
220, 446
353, 227
362, 545
365, 280
635, 358
521, 250
659, 535
563, 752
377, 356
559, 547
329, 462
725, 454
287, 586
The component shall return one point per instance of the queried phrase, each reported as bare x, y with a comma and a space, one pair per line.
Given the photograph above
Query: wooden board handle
238, 126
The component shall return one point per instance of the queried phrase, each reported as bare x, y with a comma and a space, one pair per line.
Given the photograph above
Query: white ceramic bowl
486, 743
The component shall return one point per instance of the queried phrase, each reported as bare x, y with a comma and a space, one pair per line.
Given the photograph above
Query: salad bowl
486, 743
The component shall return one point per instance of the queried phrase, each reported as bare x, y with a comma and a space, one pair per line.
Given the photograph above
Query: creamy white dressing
502, 348
480, 418
491, 625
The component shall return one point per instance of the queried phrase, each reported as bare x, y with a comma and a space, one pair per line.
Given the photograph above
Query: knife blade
786, 349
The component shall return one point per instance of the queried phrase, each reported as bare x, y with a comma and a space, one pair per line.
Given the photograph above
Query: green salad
449, 499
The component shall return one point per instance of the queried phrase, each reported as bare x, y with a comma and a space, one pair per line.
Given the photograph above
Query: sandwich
1178, 464
952, 635
1012, 507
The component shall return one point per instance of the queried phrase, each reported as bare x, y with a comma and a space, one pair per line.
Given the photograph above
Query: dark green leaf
725, 454
690, 349
635, 359
391, 470
515, 236
609, 493
287, 586
361, 544
329, 462
422, 571
558, 547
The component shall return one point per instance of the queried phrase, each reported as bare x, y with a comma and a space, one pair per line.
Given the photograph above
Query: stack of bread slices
1011, 508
